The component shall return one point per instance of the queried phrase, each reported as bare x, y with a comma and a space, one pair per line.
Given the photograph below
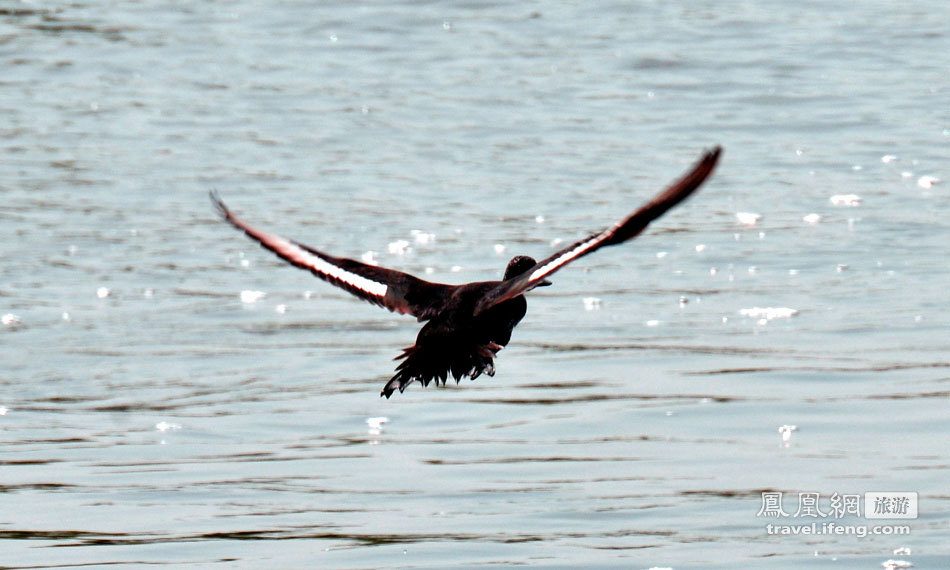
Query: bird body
459, 342
465, 325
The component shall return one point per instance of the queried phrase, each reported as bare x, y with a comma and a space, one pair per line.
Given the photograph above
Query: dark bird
466, 324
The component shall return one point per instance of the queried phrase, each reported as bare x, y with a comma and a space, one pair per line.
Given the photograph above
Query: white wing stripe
549, 267
305, 257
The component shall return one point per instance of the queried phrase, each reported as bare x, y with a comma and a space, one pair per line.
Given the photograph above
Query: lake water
149, 416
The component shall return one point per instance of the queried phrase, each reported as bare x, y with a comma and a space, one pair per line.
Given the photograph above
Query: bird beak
543, 283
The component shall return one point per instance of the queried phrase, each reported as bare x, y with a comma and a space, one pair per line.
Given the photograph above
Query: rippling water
149, 416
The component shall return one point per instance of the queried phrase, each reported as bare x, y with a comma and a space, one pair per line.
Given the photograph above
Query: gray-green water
149, 416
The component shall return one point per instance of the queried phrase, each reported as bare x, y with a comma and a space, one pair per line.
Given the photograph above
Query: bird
465, 325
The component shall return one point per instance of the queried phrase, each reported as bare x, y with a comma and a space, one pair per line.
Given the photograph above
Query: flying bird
466, 325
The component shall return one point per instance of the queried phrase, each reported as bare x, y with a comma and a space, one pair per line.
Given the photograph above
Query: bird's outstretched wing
617, 233
394, 290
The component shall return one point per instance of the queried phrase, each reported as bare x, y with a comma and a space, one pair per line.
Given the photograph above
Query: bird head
518, 265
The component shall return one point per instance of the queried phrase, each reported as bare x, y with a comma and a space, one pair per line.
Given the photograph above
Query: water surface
149, 416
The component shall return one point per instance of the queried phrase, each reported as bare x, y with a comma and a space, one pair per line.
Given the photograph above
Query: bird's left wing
617, 233
394, 290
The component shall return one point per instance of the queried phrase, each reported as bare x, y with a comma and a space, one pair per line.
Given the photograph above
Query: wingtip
218, 203
389, 389
707, 162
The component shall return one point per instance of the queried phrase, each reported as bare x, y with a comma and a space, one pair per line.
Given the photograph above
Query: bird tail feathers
428, 363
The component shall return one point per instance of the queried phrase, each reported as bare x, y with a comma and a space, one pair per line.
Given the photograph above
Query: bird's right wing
618, 233
394, 290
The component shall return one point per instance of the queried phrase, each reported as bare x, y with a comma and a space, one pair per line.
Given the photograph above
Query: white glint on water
420, 237
591, 304
369, 258
768, 313
748, 218
167, 426
927, 182
375, 426
398, 247
845, 200
786, 431
376, 422
249, 297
